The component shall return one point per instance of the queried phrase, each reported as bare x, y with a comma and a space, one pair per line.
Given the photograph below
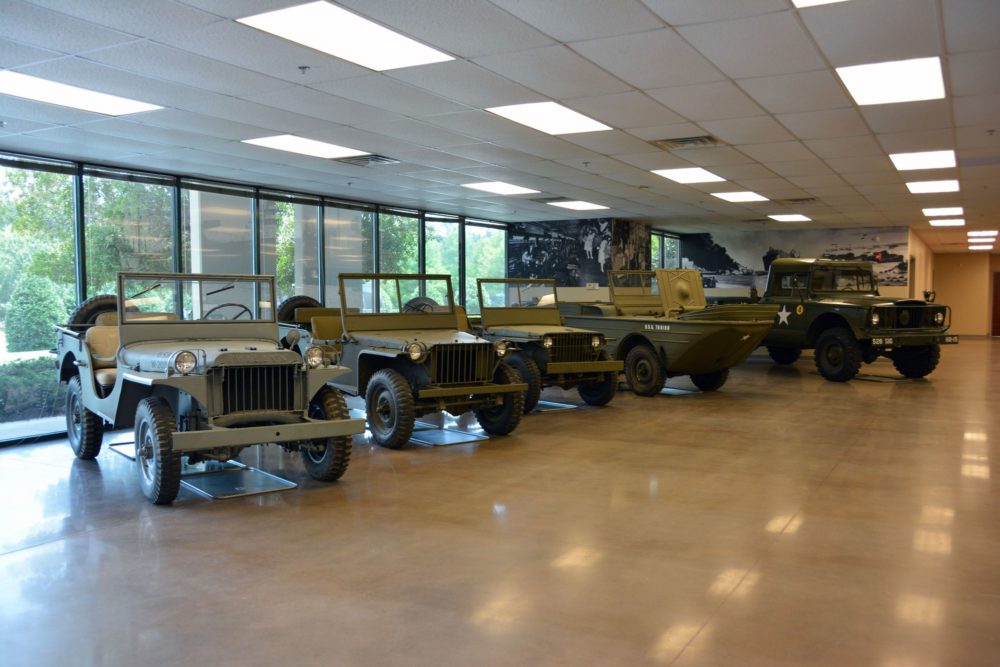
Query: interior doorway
996, 303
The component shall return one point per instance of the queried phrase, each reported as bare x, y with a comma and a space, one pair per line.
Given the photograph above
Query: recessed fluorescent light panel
43, 90
549, 117
946, 210
895, 81
577, 205
922, 187
499, 188
983, 233
812, 3
340, 33
739, 196
925, 160
790, 218
980, 247
302, 146
691, 175
947, 222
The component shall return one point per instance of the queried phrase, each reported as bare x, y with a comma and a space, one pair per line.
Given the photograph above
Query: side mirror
929, 295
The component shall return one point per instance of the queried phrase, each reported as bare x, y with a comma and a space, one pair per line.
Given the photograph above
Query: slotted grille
913, 317
571, 347
462, 363
251, 388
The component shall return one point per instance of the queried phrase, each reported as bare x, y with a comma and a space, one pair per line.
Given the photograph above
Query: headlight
875, 319
547, 341
939, 318
314, 356
417, 351
184, 362
501, 347
596, 341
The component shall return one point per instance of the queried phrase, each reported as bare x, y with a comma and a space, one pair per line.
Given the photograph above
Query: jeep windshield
517, 294
638, 283
389, 294
836, 279
195, 298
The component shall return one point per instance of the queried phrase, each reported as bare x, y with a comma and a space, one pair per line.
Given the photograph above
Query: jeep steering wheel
243, 309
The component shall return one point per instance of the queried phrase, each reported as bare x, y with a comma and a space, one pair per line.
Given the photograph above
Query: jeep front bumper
219, 436
891, 341
473, 390
576, 367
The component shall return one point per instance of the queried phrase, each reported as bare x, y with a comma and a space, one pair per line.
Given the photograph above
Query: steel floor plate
552, 406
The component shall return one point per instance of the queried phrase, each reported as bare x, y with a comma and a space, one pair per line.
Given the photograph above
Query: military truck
192, 363
662, 327
525, 313
400, 338
834, 307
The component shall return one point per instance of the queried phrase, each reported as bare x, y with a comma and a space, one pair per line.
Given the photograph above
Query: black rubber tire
784, 355
87, 312
503, 419
157, 464
838, 355
530, 373
917, 362
710, 381
331, 464
84, 428
644, 371
869, 355
601, 391
389, 404
286, 309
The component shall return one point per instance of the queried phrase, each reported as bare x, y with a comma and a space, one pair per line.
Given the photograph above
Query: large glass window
665, 251
37, 291
347, 234
129, 226
398, 241
288, 245
441, 251
485, 257
216, 229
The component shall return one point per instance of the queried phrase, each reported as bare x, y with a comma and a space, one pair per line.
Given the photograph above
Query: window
347, 240
485, 257
288, 246
216, 229
441, 252
399, 245
665, 251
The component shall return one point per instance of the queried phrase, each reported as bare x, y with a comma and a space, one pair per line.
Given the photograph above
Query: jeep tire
644, 370
84, 429
502, 419
389, 404
286, 309
599, 392
530, 373
330, 463
710, 381
86, 313
838, 355
784, 355
916, 362
158, 465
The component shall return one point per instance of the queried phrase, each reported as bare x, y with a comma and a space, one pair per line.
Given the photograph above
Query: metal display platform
427, 434
677, 391
552, 406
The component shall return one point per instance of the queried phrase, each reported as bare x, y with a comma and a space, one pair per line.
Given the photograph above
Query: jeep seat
103, 344
326, 327
303, 316
462, 320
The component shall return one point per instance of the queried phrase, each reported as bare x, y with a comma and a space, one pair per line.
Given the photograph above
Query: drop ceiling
758, 75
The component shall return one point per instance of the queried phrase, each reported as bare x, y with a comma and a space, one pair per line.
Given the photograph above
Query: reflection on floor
783, 520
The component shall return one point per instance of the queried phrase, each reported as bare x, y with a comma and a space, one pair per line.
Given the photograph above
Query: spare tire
86, 313
286, 309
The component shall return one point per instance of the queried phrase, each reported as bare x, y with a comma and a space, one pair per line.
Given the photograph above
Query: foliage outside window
485, 257
398, 247
665, 251
288, 246
441, 256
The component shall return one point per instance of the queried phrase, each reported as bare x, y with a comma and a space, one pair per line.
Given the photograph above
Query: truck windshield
503, 294
842, 280
376, 295
196, 298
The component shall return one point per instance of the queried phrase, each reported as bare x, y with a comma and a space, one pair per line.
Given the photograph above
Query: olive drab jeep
192, 363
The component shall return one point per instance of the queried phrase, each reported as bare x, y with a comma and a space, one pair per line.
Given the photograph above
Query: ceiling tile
186, 121
625, 110
978, 137
614, 142
554, 71
974, 73
550, 148
146, 19
970, 25
777, 152
977, 110
757, 130
14, 55
873, 178
736, 172
311, 102
40, 27
465, 83
389, 94
15, 107
418, 133
927, 115
683, 12
817, 181
708, 101
483, 125
489, 154
921, 140
843, 165
824, 124
864, 145
710, 157
756, 46
277, 121
575, 20
672, 131
629, 57
656, 160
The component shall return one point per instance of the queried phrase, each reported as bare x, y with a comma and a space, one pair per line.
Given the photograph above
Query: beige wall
963, 281
921, 271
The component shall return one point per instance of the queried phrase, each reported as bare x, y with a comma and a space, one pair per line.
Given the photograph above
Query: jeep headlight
314, 356
501, 346
596, 341
547, 342
184, 362
875, 319
417, 351
939, 318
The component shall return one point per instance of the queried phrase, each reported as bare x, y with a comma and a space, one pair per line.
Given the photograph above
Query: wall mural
575, 252
741, 259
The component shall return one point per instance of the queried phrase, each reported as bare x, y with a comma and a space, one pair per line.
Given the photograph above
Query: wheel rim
643, 371
316, 456
75, 418
145, 453
384, 417
834, 354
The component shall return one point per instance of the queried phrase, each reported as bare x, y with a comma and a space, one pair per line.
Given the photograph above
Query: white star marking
783, 315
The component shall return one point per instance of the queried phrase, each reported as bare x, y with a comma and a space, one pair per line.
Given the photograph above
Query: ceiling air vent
796, 201
369, 160
678, 143
757, 220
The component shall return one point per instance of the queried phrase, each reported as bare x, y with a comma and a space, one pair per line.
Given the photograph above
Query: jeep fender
824, 322
372, 361
634, 340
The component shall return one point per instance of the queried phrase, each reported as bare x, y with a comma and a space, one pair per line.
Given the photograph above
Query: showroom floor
784, 520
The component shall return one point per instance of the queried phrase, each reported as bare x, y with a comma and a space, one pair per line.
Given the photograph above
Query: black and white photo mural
575, 252
741, 259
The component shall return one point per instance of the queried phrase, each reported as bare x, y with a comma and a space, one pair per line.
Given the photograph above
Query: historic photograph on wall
741, 259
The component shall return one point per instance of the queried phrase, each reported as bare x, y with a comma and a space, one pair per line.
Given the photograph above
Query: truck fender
822, 323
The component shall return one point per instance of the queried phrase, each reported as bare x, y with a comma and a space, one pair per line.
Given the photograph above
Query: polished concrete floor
783, 520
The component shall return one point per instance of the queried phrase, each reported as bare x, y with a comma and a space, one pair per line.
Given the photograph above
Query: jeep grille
462, 363
253, 388
909, 317
571, 347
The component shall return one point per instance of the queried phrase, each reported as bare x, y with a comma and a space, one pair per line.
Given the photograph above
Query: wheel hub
643, 371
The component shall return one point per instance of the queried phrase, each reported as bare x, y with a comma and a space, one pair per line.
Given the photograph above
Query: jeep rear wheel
159, 467
389, 404
84, 428
644, 371
784, 355
529, 372
838, 355
87, 312
503, 418
710, 381
602, 391
327, 458
916, 362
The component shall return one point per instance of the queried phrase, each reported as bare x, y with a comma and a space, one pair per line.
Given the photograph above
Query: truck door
791, 294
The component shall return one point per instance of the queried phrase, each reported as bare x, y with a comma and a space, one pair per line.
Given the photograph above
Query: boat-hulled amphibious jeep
192, 363
401, 340
525, 312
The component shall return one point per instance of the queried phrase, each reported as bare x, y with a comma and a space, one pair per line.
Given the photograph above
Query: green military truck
834, 308
525, 312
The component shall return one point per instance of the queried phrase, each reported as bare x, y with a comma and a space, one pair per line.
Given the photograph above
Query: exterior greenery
27, 390
35, 308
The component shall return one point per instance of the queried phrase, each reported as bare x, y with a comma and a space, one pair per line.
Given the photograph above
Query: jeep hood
155, 356
396, 339
533, 330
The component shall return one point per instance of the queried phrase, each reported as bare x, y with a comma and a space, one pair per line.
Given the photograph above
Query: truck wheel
286, 309
644, 370
87, 312
158, 465
84, 428
330, 463
389, 403
504, 418
838, 355
601, 391
784, 355
917, 362
710, 381
530, 373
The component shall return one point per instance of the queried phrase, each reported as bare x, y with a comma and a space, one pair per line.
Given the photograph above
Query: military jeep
408, 358
525, 313
834, 307
193, 364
